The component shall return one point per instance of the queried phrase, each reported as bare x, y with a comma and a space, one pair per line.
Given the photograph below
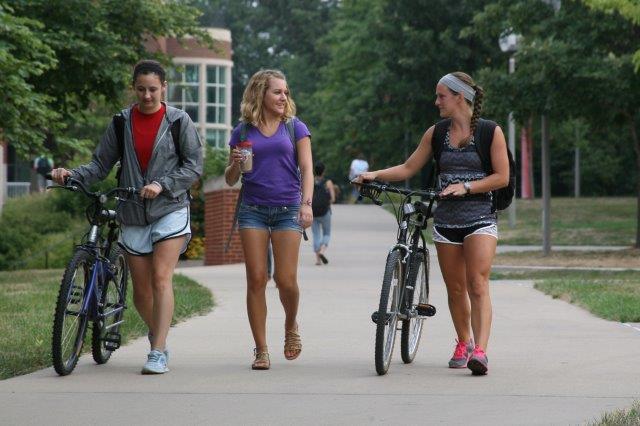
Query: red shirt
145, 130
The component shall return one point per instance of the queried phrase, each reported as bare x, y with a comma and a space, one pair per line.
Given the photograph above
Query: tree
630, 9
23, 57
273, 34
576, 63
377, 91
84, 53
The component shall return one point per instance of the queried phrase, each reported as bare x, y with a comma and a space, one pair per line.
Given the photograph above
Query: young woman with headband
465, 229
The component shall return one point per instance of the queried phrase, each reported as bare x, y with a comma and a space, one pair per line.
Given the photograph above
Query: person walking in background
465, 224
358, 166
276, 202
42, 165
155, 226
323, 196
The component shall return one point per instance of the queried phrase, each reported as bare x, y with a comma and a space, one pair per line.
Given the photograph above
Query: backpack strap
437, 145
483, 140
175, 135
243, 137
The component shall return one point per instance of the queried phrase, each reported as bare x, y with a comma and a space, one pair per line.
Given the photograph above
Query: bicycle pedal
112, 341
376, 315
426, 310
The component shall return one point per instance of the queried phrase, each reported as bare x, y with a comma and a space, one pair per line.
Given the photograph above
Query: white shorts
139, 240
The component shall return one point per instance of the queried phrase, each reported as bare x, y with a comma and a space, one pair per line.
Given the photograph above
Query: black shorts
457, 235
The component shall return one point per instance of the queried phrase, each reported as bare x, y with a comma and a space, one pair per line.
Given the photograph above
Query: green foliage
377, 90
42, 228
273, 34
24, 56
62, 56
215, 161
24, 223
629, 9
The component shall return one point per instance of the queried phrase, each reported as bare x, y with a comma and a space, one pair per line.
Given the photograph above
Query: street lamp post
509, 43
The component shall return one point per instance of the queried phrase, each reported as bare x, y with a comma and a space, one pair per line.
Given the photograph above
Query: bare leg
165, 258
452, 264
140, 267
254, 245
286, 247
479, 251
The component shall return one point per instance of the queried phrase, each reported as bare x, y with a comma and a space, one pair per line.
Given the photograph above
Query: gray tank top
462, 165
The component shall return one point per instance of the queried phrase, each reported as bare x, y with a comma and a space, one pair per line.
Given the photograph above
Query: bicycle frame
101, 270
408, 244
413, 214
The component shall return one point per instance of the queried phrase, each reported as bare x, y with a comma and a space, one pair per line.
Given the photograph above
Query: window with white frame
202, 91
184, 90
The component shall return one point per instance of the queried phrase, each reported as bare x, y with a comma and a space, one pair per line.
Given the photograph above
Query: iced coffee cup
247, 156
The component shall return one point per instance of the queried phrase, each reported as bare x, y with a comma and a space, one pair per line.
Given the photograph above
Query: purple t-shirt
274, 180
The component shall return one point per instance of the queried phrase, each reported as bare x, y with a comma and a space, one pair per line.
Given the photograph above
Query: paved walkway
550, 362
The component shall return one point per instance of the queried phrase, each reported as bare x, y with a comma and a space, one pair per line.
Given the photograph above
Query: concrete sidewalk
550, 362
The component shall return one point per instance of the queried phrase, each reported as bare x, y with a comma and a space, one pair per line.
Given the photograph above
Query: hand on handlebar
59, 175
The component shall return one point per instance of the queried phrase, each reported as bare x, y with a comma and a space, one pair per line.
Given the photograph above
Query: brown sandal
262, 361
292, 344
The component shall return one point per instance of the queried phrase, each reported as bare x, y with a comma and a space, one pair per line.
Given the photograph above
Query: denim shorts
284, 218
139, 240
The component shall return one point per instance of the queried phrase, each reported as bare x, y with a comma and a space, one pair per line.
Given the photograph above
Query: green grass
581, 221
613, 295
574, 221
629, 417
27, 302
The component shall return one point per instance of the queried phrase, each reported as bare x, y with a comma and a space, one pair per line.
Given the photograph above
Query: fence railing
17, 189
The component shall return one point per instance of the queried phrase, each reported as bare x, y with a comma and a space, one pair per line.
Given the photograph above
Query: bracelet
306, 203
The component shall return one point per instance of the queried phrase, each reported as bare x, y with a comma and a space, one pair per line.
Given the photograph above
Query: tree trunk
636, 145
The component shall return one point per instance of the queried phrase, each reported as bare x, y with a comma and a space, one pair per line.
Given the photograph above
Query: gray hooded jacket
165, 167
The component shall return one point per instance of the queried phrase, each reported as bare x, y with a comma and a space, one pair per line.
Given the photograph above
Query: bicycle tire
69, 322
387, 317
418, 278
113, 296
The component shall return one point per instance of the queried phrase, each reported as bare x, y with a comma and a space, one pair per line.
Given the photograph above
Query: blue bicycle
93, 287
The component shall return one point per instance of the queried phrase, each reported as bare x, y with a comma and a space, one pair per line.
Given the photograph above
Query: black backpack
483, 138
321, 201
118, 125
43, 166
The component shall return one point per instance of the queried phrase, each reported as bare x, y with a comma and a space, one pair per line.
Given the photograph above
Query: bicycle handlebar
373, 189
72, 184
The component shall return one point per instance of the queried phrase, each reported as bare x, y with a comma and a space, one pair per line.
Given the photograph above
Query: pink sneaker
478, 363
461, 354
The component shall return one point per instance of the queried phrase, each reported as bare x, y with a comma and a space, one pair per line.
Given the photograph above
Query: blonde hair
253, 96
477, 101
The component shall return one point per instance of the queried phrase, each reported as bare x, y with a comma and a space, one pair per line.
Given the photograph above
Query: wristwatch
467, 187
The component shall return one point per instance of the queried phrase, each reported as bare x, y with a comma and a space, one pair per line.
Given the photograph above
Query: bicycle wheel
387, 315
418, 278
70, 323
112, 298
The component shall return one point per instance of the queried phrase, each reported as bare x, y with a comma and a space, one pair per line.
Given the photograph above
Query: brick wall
220, 205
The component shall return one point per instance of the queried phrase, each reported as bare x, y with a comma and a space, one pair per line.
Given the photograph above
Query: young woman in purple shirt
276, 202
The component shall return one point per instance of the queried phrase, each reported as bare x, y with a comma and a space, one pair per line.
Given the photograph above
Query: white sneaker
156, 363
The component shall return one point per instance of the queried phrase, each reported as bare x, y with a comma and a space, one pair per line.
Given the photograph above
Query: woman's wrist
306, 203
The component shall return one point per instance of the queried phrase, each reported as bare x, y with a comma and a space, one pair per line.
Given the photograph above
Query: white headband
458, 86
